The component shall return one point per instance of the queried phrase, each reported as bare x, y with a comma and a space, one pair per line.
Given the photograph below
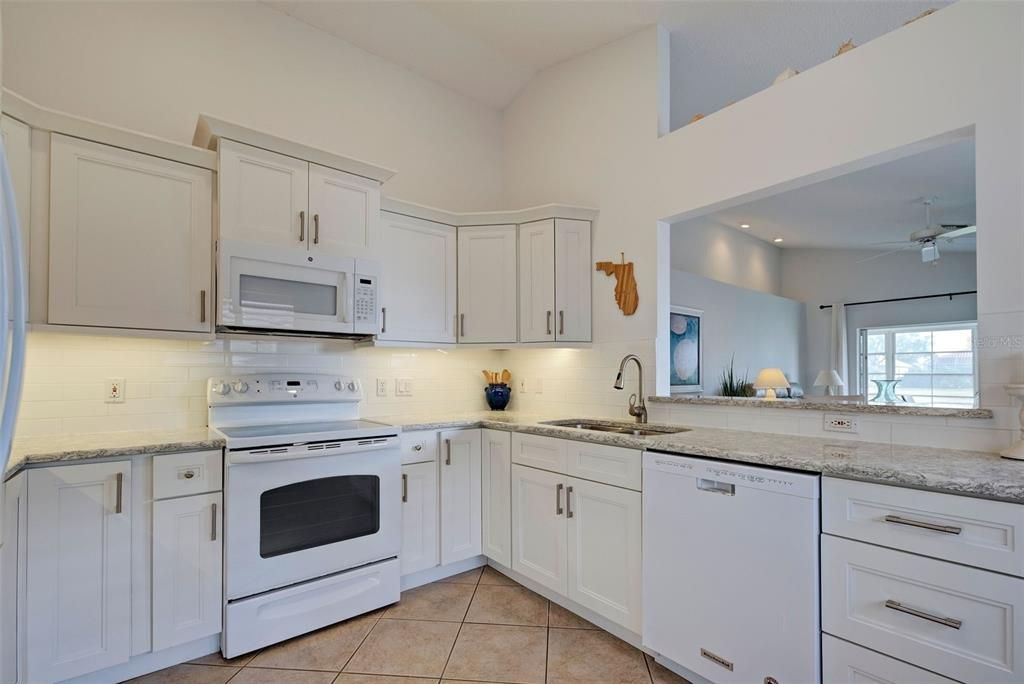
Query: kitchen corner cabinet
78, 549
496, 493
555, 281
419, 516
130, 239
274, 199
488, 290
460, 495
418, 282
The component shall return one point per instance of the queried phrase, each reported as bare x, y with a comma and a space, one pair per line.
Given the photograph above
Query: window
934, 364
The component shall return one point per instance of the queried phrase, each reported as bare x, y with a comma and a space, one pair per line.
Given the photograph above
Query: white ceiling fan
927, 239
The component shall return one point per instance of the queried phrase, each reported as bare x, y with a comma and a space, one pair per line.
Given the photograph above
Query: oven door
295, 520
275, 288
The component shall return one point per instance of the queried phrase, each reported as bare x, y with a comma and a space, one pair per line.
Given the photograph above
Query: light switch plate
403, 387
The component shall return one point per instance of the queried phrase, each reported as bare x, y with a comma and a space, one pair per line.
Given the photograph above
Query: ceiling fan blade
959, 232
879, 256
897, 242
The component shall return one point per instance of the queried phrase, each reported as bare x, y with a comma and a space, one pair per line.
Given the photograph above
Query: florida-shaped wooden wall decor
625, 283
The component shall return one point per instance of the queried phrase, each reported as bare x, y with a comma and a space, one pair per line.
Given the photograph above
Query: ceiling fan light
930, 253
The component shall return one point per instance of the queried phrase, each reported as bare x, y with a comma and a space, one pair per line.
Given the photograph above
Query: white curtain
837, 344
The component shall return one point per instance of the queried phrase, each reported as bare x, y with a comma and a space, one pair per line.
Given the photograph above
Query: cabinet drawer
961, 622
846, 663
547, 453
195, 472
419, 447
986, 534
608, 464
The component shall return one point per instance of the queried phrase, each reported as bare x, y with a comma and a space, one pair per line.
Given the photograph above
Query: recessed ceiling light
744, 225
777, 240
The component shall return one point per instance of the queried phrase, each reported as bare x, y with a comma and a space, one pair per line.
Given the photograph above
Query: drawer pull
418, 447
946, 529
189, 474
944, 621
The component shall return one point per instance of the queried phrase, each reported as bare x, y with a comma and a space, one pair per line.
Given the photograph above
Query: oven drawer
197, 472
419, 446
961, 622
846, 663
985, 534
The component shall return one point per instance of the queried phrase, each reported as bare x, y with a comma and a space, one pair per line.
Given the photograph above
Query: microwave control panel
365, 303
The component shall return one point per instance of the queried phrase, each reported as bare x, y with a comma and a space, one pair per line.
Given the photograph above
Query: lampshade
771, 378
828, 378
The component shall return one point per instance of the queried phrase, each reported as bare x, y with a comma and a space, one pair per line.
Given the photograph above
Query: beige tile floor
479, 626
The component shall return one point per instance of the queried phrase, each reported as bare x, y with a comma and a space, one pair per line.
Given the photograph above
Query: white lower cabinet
496, 490
539, 533
846, 663
187, 569
78, 553
419, 517
460, 495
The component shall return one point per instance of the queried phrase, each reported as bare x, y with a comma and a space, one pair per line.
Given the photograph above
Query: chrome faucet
639, 410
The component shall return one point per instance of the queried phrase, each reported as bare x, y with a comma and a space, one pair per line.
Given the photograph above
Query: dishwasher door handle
716, 487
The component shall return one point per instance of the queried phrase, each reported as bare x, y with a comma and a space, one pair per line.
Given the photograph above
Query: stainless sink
634, 429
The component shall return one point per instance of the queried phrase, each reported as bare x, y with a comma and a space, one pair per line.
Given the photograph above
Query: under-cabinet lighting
777, 240
744, 225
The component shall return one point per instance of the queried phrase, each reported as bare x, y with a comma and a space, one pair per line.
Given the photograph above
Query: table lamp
771, 379
828, 379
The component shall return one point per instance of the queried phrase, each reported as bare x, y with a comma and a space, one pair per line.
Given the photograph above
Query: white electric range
312, 506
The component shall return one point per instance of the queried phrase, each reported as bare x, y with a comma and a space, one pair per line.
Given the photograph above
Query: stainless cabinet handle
316, 229
561, 322
558, 498
302, 226
383, 319
931, 617
462, 325
549, 322
119, 496
213, 522
202, 306
946, 529
448, 454
405, 488
568, 502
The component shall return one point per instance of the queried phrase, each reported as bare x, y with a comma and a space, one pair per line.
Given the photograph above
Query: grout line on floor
458, 633
380, 616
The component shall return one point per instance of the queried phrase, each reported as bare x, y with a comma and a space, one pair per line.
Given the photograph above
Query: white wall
756, 329
826, 276
723, 253
153, 67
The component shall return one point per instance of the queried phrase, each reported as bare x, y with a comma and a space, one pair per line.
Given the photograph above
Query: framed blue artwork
686, 350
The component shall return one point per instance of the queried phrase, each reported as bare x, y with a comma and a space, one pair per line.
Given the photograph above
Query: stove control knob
352, 386
337, 385
221, 388
240, 386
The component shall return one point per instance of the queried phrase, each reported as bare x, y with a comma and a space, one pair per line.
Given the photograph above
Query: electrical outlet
403, 387
115, 390
840, 423
523, 385
382, 387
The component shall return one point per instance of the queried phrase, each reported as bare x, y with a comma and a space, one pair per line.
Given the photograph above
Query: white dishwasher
730, 558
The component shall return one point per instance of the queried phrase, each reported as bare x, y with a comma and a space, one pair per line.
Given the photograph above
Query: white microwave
289, 291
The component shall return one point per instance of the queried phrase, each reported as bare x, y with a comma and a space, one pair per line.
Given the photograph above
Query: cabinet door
497, 495
264, 196
17, 139
130, 239
574, 273
187, 562
605, 550
418, 281
538, 526
460, 495
487, 284
419, 517
344, 211
537, 281
79, 568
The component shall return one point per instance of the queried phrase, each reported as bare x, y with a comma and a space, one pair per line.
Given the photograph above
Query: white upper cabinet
418, 283
574, 272
264, 196
78, 545
130, 239
487, 284
344, 211
537, 281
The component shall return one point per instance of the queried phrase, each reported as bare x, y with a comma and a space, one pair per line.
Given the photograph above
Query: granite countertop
823, 404
970, 473
35, 451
